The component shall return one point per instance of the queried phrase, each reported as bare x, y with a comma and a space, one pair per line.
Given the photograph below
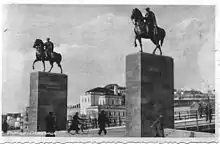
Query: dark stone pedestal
48, 93
149, 83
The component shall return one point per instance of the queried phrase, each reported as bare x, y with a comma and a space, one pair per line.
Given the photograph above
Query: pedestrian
119, 121
50, 125
114, 120
210, 114
75, 122
5, 125
207, 112
158, 126
102, 120
95, 121
200, 109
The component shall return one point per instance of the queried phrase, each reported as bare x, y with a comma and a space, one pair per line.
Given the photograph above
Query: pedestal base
149, 83
48, 93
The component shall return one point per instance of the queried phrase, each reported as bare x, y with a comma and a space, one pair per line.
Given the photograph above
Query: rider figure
48, 48
150, 17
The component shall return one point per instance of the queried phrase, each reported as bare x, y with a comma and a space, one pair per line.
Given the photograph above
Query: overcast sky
94, 41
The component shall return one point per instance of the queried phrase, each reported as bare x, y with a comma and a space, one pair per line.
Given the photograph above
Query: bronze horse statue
146, 30
40, 55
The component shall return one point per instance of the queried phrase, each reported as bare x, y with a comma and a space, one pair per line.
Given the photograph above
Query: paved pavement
111, 131
114, 132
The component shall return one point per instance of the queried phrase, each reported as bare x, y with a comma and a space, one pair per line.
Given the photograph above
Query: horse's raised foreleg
51, 63
34, 63
43, 65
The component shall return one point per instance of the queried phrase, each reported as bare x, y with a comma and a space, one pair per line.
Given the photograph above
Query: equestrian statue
44, 52
146, 27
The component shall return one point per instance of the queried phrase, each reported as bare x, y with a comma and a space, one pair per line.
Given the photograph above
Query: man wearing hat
48, 48
150, 17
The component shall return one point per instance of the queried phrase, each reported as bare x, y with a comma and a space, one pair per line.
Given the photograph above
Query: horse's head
38, 43
39, 46
136, 15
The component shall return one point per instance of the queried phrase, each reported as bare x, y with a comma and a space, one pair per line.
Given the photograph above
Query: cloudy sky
94, 41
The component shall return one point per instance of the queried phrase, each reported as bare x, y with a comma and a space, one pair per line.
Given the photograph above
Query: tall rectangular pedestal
48, 93
149, 83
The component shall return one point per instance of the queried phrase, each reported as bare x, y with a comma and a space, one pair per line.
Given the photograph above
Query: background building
110, 98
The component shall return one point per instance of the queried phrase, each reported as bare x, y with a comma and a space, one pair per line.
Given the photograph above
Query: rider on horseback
150, 17
48, 48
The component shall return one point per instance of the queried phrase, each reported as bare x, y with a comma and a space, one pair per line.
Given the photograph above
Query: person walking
102, 120
50, 125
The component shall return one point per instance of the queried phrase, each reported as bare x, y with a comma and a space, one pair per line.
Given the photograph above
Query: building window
88, 99
85, 99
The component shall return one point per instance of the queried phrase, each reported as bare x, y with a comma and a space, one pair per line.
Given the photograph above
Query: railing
193, 119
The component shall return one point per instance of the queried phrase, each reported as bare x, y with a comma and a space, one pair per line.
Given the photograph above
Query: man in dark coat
50, 125
5, 125
102, 120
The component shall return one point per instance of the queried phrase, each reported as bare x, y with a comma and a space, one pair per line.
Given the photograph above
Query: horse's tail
163, 34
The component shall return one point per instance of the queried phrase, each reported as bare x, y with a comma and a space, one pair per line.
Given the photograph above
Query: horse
144, 30
40, 56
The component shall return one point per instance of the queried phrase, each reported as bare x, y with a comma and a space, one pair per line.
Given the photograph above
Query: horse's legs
59, 65
156, 42
34, 63
135, 44
140, 42
51, 63
43, 64
160, 50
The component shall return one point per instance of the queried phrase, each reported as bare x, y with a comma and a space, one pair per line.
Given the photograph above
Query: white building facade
110, 95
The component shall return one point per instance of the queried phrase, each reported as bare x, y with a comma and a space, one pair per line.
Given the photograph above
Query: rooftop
101, 90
